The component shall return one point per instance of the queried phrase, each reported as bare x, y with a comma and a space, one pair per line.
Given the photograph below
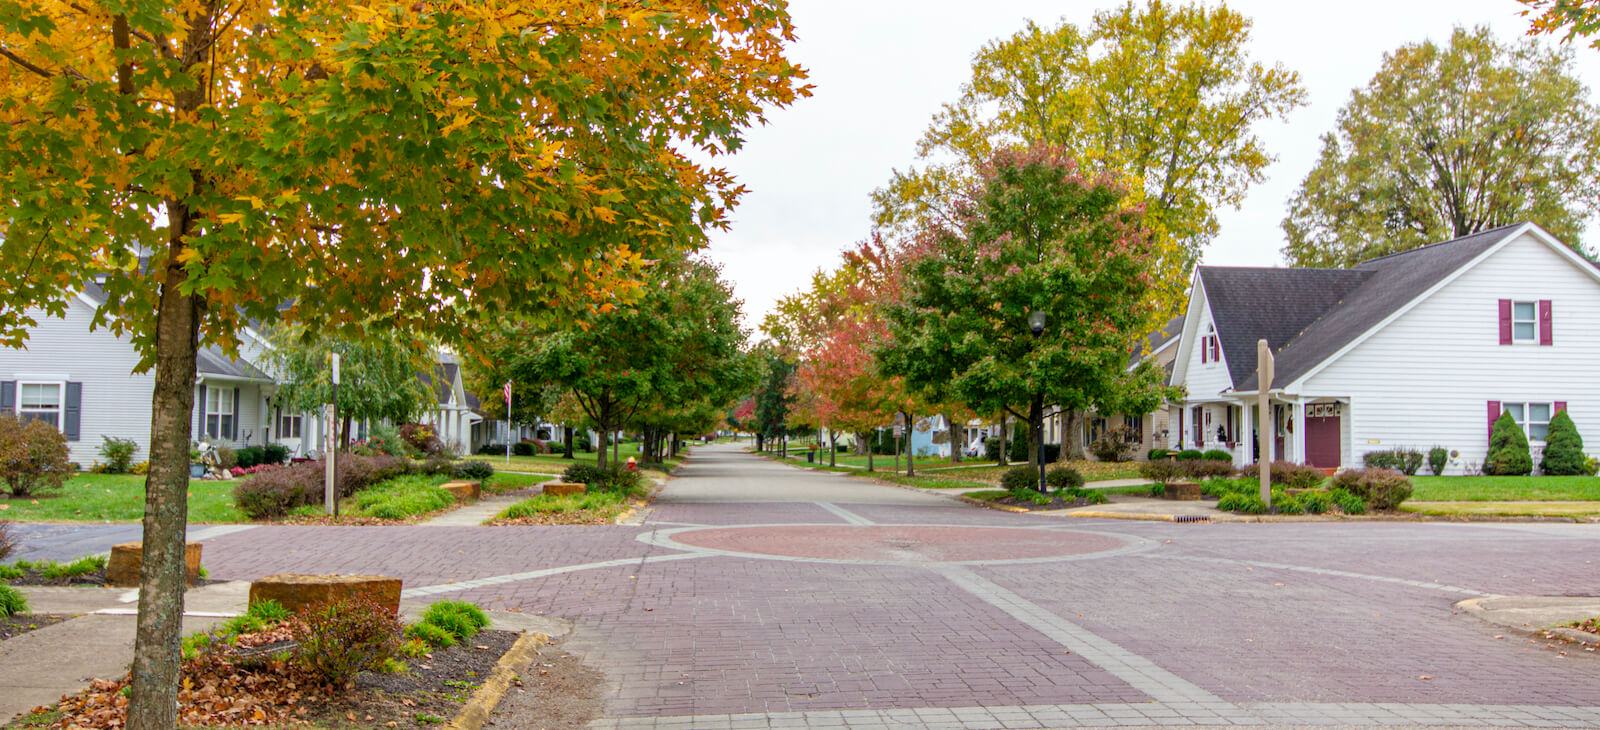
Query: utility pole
1263, 446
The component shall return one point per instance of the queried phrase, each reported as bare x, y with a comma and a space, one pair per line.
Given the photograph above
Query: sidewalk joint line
1328, 571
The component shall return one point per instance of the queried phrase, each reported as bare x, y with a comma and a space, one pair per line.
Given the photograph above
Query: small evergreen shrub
1406, 461
1438, 457
1162, 471
12, 601
1062, 477
522, 448
1563, 449
1217, 455
1155, 454
118, 454
1021, 478
248, 456
346, 637
1508, 449
474, 469
1379, 489
1187, 454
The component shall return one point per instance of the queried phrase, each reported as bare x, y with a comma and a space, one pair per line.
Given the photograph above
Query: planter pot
197, 471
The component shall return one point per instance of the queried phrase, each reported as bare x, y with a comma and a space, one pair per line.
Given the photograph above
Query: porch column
1241, 456
1300, 432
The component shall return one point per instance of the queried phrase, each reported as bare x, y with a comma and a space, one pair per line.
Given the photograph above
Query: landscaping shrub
1199, 469
1222, 487
1563, 449
1316, 502
274, 454
1062, 477
1438, 457
271, 494
12, 601
1021, 478
546, 503
1406, 461
227, 458
1286, 474
1508, 449
8, 541
1242, 502
474, 469
247, 457
1162, 471
1117, 444
33, 456
401, 497
432, 635
1217, 455
346, 637
422, 438
1187, 454
462, 619
538, 446
1091, 496
1285, 503
1348, 503
522, 448
1155, 454
257, 616
1379, 489
118, 454
614, 479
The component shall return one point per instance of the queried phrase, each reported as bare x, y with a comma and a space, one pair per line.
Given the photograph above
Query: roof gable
1249, 304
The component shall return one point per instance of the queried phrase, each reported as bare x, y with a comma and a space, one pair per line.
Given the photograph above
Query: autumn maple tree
419, 165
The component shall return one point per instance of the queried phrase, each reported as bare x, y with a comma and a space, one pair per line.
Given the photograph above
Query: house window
1210, 348
289, 426
1534, 418
219, 412
39, 401
1525, 322
1136, 424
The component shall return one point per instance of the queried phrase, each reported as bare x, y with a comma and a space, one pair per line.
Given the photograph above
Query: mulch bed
22, 623
573, 517
399, 700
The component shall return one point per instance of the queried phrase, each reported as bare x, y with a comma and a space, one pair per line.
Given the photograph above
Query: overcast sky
881, 69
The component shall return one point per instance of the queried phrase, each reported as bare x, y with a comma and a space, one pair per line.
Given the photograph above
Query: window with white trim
1525, 322
219, 412
1534, 418
289, 426
39, 401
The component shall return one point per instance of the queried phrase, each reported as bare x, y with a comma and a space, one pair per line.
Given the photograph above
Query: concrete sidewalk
38, 667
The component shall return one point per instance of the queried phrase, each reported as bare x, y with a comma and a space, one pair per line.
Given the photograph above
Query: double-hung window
39, 401
219, 412
289, 426
1534, 418
1525, 322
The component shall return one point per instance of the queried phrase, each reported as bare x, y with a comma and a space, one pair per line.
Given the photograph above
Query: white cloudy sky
882, 68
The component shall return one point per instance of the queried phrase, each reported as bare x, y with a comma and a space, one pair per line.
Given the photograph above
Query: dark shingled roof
1153, 341
441, 381
1307, 315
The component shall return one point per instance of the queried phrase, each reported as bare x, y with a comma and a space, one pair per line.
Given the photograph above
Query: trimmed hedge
1563, 449
275, 492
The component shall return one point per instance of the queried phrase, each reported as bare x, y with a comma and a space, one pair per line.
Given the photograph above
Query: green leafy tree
1163, 93
388, 163
1569, 18
1563, 449
774, 395
1509, 454
1041, 235
1446, 141
377, 374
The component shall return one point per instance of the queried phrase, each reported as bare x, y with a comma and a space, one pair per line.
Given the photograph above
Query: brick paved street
762, 595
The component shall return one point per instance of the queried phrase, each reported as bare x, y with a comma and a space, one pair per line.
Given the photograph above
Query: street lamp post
1036, 326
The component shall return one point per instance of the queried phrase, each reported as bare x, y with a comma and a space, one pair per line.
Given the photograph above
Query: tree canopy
1446, 141
1042, 235
377, 374
1164, 94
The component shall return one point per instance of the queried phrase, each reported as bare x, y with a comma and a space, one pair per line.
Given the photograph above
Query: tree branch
20, 61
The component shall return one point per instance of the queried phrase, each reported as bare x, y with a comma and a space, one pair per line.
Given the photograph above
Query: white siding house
1418, 349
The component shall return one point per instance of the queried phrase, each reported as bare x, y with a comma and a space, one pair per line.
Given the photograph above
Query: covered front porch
1311, 430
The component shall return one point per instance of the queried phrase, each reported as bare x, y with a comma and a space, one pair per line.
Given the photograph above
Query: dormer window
1210, 348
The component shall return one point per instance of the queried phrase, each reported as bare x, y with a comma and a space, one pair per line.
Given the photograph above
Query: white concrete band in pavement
435, 590
845, 514
1139, 672
1326, 571
1150, 714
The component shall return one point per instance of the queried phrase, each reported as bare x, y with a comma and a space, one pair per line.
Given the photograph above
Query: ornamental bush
1379, 489
1508, 449
474, 469
1021, 478
1187, 454
1287, 475
1202, 469
422, 438
346, 637
1563, 449
1438, 457
1118, 444
1162, 471
33, 456
462, 619
1062, 477
1406, 461
118, 454
1242, 502
1217, 455
1155, 454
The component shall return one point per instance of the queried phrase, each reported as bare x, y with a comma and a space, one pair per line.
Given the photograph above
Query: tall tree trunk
870, 451
863, 446
566, 441
1036, 426
1001, 457
153, 699
833, 448
911, 470
603, 429
1074, 436
344, 442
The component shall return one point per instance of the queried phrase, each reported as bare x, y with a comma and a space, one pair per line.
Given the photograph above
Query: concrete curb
1108, 515
476, 712
1537, 627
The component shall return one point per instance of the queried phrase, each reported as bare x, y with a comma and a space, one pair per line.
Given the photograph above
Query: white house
1417, 349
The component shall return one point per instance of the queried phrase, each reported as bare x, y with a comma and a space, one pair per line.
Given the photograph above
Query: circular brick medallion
898, 543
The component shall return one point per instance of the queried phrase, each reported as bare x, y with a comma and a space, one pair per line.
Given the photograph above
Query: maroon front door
1322, 441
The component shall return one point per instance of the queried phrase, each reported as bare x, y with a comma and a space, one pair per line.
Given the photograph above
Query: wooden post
1264, 417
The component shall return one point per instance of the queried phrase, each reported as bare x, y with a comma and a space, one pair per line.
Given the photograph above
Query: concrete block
122, 569
562, 489
296, 592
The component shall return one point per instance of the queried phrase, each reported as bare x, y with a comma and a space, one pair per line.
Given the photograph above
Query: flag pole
508, 422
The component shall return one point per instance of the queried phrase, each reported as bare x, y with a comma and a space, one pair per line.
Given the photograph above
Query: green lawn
1575, 510
1505, 489
555, 463
505, 481
118, 498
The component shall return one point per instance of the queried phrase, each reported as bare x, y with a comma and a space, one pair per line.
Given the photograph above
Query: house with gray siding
1417, 349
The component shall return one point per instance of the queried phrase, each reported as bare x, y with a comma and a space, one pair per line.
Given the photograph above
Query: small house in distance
1413, 350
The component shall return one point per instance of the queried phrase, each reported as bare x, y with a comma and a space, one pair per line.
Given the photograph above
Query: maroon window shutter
1205, 349
1505, 321
1546, 335
1494, 415
1561, 405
